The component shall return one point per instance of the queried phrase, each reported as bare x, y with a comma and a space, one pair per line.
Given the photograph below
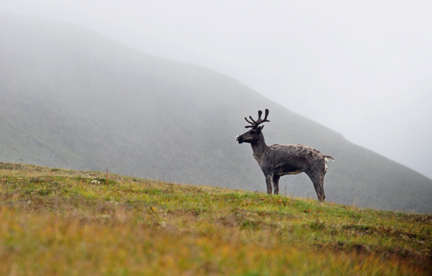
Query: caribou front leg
276, 184
269, 181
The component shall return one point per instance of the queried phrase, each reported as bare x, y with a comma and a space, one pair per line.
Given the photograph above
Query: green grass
63, 222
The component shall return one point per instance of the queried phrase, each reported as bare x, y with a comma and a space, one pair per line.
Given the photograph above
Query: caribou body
278, 160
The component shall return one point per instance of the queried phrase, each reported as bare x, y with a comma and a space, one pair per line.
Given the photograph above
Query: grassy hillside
65, 222
72, 98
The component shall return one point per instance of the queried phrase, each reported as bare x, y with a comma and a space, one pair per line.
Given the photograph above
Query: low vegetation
64, 222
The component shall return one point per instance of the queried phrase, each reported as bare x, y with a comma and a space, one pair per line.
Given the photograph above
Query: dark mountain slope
73, 98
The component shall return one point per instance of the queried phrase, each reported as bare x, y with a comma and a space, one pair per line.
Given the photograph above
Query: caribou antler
259, 121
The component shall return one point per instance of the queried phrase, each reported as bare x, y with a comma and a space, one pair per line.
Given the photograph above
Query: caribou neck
259, 147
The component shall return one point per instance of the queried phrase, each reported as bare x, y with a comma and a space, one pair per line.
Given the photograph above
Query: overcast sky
361, 68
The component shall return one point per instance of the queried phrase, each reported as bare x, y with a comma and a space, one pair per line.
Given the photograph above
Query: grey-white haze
361, 68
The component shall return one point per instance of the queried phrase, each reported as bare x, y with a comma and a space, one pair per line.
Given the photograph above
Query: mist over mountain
72, 98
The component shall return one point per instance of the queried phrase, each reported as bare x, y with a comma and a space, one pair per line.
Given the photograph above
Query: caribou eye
252, 131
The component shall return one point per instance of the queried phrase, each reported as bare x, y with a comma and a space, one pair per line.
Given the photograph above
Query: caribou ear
261, 127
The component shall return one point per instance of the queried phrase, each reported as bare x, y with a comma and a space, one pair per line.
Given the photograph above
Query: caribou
278, 160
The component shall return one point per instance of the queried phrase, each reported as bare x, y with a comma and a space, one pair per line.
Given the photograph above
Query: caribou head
253, 135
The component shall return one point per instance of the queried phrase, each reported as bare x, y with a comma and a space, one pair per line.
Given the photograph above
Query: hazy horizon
361, 69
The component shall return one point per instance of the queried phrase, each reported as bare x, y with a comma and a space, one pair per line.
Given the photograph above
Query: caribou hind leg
318, 182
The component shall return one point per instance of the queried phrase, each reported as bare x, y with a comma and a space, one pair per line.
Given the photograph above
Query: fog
360, 68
